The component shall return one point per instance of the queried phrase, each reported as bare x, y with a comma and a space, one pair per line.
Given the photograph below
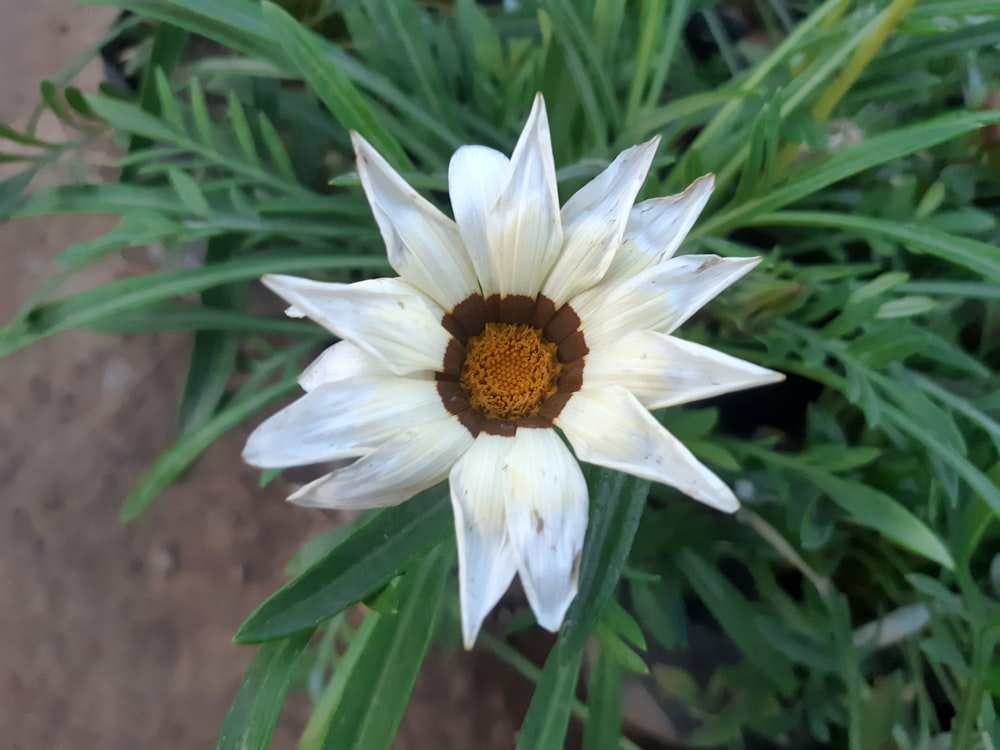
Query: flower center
509, 371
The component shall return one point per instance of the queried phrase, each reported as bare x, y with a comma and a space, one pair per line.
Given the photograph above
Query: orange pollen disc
509, 371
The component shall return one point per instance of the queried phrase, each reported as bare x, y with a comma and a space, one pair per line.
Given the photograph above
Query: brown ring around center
468, 320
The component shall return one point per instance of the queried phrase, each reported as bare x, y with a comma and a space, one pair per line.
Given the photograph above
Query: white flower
514, 319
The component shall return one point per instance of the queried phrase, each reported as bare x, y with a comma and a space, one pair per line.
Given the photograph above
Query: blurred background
120, 637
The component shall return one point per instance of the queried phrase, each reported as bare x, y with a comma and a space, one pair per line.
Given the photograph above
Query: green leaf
616, 503
547, 719
331, 84
97, 303
253, 714
618, 620
373, 700
602, 729
170, 465
213, 356
732, 612
130, 118
623, 654
12, 191
188, 191
182, 316
876, 510
239, 126
53, 98
365, 562
871, 153
660, 608
316, 729
26, 139
979, 257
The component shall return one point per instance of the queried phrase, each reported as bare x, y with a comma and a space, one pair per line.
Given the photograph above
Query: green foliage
851, 602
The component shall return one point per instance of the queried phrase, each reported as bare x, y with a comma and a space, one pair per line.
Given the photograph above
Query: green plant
850, 148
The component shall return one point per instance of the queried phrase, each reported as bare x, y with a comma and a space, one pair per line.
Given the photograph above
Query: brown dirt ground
119, 637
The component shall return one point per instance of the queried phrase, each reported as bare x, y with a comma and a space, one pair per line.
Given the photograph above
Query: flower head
516, 318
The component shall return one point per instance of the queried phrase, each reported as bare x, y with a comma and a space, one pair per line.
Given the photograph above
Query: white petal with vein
338, 362
546, 498
609, 427
486, 563
422, 244
662, 370
523, 229
659, 299
412, 460
476, 175
657, 227
594, 220
387, 318
343, 419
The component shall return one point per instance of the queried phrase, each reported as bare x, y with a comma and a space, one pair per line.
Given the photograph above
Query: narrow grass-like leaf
330, 84
871, 153
182, 316
199, 112
169, 108
878, 511
651, 13
189, 193
53, 98
623, 653
979, 257
788, 47
111, 198
616, 503
367, 560
12, 191
172, 463
275, 148
130, 118
240, 127
732, 612
318, 726
253, 714
651, 121
240, 26
90, 306
213, 355
547, 720
25, 139
602, 729
592, 82
379, 685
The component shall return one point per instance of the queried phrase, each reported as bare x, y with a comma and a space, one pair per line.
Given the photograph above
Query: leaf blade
365, 561
249, 723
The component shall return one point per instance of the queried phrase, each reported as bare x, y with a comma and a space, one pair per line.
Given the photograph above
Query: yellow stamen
509, 371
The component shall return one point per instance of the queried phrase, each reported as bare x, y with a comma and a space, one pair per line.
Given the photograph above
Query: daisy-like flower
514, 319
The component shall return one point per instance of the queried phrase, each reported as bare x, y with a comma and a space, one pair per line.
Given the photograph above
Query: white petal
523, 229
412, 460
338, 362
344, 419
609, 427
476, 175
662, 370
486, 563
387, 318
660, 298
423, 244
657, 227
546, 519
593, 222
